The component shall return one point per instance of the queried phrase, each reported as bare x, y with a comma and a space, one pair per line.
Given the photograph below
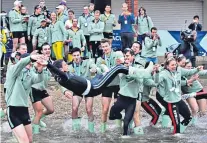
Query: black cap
25, 55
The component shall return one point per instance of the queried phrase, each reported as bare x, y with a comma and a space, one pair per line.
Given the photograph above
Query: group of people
127, 76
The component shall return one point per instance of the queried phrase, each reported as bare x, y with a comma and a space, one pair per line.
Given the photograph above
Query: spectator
74, 38
40, 36
25, 23
16, 27
71, 16
91, 8
189, 49
195, 25
34, 23
45, 10
151, 42
56, 36
96, 34
109, 19
83, 23
144, 23
64, 4
60, 13
126, 19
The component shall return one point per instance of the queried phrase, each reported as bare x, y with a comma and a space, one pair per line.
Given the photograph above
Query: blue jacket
126, 26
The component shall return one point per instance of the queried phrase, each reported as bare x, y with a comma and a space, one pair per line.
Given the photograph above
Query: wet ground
59, 127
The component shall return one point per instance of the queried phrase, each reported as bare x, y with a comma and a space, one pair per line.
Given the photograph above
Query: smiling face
76, 57
172, 65
136, 48
181, 62
106, 47
46, 50
53, 16
128, 58
22, 49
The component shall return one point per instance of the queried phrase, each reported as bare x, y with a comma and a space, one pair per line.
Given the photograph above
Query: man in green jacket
19, 80
16, 27
95, 29
40, 36
87, 69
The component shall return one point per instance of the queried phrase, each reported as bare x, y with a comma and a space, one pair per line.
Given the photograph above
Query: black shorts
17, 116
18, 34
108, 35
37, 95
82, 95
108, 92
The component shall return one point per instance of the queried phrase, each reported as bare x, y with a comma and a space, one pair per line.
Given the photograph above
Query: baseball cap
63, 3
17, 2
60, 7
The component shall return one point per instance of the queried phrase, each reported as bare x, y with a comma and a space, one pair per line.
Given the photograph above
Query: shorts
108, 35
37, 95
83, 96
108, 92
17, 116
18, 34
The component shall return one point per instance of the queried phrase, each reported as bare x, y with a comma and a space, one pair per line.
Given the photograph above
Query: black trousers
201, 95
123, 103
78, 85
153, 109
174, 110
127, 40
97, 52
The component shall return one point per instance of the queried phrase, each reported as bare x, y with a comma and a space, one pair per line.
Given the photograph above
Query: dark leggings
123, 103
78, 84
95, 49
173, 110
153, 109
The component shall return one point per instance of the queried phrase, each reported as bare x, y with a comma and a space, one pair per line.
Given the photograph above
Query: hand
34, 52
68, 94
39, 67
156, 67
93, 70
195, 77
29, 38
83, 49
67, 27
119, 61
200, 68
154, 38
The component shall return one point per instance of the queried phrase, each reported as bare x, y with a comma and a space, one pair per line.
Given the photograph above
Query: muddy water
59, 131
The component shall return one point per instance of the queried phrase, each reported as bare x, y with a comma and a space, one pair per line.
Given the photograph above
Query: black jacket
193, 25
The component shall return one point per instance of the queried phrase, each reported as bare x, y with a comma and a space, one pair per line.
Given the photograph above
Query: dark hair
196, 16
71, 11
37, 6
140, 44
105, 40
167, 62
21, 44
153, 28
145, 12
75, 50
85, 6
128, 50
44, 44
74, 18
180, 57
166, 54
97, 11
187, 62
58, 63
108, 5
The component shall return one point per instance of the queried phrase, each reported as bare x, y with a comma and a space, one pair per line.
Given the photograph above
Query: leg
47, 102
115, 112
38, 108
202, 103
59, 50
15, 44
21, 134
193, 105
173, 111
185, 112
99, 51
75, 105
130, 39
137, 116
123, 41
22, 40
129, 112
28, 129
89, 110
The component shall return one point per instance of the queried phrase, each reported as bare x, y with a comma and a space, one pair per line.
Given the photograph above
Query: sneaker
76, 124
194, 121
125, 137
43, 124
91, 127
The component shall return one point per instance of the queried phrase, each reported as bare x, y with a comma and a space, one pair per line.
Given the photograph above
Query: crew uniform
19, 82
39, 91
15, 22
110, 22
106, 62
169, 95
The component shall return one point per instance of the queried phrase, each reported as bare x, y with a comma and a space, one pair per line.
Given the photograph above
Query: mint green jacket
15, 21
62, 18
109, 22
147, 86
139, 60
56, 32
19, 82
77, 37
196, 85
40, 36
46, 78
34, 23
148, 47
25, 24
169, 84
143, 25
96, 30
82, 20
